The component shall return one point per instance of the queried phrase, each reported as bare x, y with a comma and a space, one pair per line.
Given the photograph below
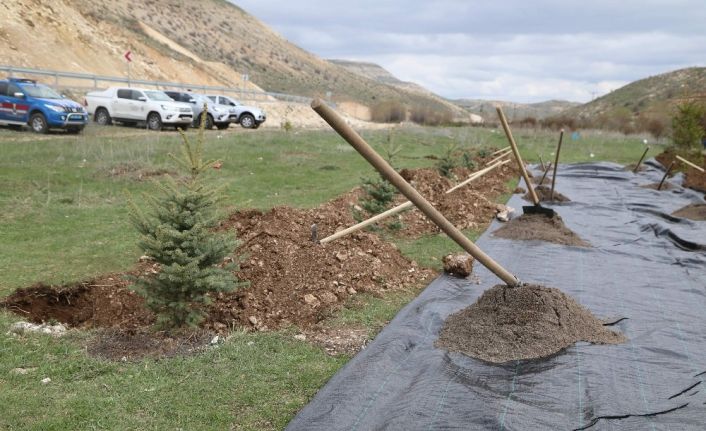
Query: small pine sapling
446, 162
379, 193
178, 235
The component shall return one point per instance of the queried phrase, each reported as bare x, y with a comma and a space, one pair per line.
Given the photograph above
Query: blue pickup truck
25, 102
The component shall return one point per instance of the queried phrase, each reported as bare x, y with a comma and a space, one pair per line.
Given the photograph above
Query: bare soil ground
540, 227
527, 322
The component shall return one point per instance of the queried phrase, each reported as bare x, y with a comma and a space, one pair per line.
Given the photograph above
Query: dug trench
293, 282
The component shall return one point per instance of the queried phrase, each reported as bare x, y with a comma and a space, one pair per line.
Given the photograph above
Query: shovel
536, 208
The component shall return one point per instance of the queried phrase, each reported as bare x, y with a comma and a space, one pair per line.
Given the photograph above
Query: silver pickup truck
249, 117
216, 115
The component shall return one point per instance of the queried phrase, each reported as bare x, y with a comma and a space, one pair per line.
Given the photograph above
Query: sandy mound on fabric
544, 193
528, 322
694, 212
654, 186
540, 227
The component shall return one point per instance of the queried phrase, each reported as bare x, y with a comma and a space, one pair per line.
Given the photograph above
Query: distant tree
178, 235
687, 126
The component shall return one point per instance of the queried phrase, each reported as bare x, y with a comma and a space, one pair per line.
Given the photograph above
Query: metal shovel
536, 208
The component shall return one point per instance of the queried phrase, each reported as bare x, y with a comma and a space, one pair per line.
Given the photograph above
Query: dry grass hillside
209, 42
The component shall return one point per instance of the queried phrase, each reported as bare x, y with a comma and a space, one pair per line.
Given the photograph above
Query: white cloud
524, 51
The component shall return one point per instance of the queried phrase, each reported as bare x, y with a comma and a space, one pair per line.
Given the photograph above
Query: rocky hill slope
209, 42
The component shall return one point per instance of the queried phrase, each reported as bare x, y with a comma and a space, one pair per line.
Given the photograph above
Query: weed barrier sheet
645, 267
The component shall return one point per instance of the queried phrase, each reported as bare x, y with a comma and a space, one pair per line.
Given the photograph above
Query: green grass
63, 212
251, 382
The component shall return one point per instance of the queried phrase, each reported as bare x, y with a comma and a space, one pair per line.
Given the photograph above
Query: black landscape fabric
646, 270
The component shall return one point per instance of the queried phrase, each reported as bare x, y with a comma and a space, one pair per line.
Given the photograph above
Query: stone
300, 337
459, 264
351, 291
328, 298
46, 381
253, 320
312, 300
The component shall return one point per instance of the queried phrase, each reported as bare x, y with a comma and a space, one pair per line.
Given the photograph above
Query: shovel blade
538, 209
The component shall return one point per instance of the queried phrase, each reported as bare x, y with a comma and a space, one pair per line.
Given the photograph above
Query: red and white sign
128, 56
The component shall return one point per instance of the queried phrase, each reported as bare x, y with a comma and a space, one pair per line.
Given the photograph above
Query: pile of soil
468, 207
527, 322
631, 167
693, 178
665, 186
540, 227
544, 194
693, 212
538, 178
293, 281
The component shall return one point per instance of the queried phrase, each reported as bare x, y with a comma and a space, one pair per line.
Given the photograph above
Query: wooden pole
541, 163
499, 151
556, 164
347, 133
669, 169
507, 153
546, 171
520, 165
637, 167
403, 206
690, 164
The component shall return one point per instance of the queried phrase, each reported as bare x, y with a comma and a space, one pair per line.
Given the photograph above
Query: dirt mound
528, 322
468, 207
293, 281
665, 186
540, 227
631, 167
544, 194
693, 178
694, 212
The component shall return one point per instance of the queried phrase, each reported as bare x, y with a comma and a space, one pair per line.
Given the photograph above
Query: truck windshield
40, 91
158, 96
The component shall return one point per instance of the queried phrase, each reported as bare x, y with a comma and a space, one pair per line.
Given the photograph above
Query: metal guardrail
243, 93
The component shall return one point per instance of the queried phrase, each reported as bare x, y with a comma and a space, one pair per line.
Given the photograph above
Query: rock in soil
693, 212
542, 228
527, 322
544, 193
460, 264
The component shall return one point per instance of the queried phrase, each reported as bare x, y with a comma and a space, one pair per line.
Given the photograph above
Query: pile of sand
528, 322
694, 212
544, 193
540, 227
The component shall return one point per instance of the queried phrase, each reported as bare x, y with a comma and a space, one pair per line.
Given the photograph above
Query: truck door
137, 108
121, 106
16, 109
5, 106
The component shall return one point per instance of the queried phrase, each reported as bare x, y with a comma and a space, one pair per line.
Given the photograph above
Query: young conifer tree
178, 235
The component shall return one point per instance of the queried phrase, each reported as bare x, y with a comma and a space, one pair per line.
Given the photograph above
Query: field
64, 218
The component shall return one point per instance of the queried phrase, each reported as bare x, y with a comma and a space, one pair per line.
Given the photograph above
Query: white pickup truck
130, 106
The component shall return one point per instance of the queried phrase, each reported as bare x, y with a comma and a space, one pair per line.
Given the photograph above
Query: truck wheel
247, 121
102, 117
154, 121
222, 126
38, 123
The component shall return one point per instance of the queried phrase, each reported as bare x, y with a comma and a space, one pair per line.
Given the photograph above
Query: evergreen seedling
178, 235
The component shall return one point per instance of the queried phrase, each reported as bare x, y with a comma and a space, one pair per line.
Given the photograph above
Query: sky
513, 50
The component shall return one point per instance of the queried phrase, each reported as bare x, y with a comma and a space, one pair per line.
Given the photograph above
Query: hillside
654, 96
516, 111
210, 42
